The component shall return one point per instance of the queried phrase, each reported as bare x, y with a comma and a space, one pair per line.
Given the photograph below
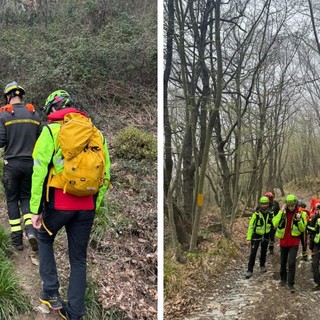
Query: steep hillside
104, 54
122, 260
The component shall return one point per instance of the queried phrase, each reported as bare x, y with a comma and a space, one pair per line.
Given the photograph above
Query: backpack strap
50, 165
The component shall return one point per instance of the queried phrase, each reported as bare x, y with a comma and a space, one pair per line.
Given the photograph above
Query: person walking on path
313, 228
258, 233
275, 207
75, 213
289, 224
304, 235
20, 126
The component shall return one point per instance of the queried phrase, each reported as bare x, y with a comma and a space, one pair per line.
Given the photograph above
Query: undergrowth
208, 262
94, 308
13, 300
106, 218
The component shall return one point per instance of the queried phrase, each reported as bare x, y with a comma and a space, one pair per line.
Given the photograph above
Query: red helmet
270, 195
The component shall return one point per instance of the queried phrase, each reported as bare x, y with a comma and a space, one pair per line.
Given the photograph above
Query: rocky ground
260, 297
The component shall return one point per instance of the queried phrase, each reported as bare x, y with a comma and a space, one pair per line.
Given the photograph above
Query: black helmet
13, 89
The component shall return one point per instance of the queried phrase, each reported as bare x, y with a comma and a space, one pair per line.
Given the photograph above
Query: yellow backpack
83, 155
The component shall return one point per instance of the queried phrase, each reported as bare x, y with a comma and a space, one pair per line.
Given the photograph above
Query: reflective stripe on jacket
314, 227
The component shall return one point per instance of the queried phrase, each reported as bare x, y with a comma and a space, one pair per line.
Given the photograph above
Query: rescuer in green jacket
259, 233
58, 209
290, 223
313, 228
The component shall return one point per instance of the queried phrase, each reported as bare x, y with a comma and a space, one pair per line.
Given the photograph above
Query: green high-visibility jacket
314, 227
297, 227
42, 158
260, 223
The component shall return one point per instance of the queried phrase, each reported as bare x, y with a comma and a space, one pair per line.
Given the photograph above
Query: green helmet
13, 89
58, 99
264, 200
291, 200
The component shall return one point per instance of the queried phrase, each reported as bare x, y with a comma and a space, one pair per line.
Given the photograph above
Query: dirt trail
261, 297
26, 268
25, 263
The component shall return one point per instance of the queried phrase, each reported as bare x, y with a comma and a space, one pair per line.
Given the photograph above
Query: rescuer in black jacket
20, 126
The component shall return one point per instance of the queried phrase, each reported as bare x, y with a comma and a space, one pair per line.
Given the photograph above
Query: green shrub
132, 143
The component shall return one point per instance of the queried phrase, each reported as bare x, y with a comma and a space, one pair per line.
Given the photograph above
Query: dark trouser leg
284, 251
16, 238
253, 254
271, 241
263, 254
78, 231
315, 263
53, 220
24, 196
11, 181
303, 239
293, 251
47, 263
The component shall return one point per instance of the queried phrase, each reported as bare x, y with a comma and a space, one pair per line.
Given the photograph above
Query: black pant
253, 253
304, 242
315, 262
78, 227
16, 180
271, 235
288, 255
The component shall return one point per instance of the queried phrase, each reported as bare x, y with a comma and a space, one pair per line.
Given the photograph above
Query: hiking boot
18, 246
263, 269
248, 274
52, 302
63, 312
33, 242
316, 287
31, 235
16, 238
282, 283
291, 288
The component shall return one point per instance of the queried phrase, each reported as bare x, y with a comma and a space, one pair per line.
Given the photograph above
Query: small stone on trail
43, 308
